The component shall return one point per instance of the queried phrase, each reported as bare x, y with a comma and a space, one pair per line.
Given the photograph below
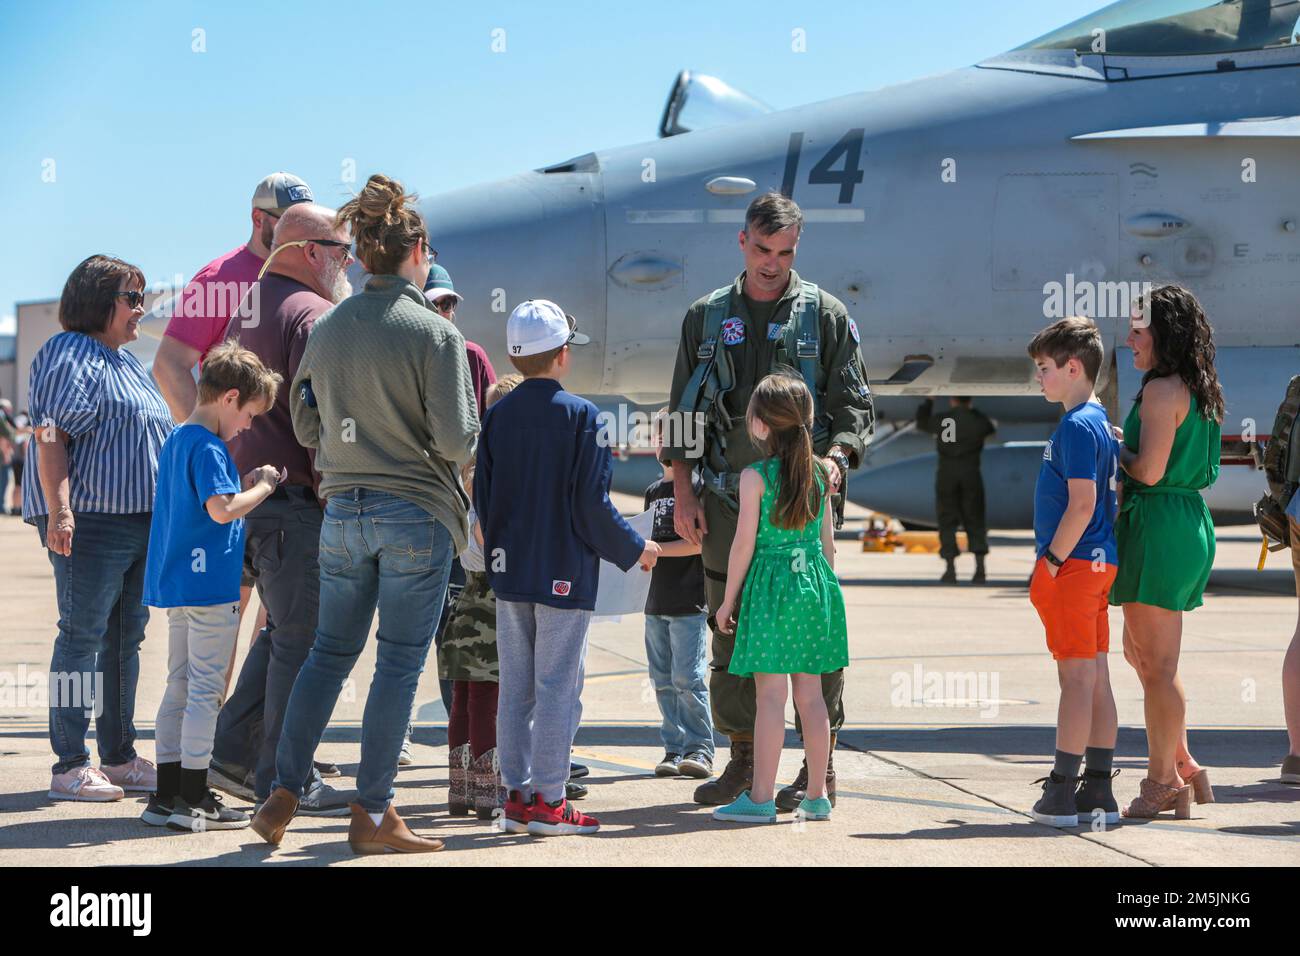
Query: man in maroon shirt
304, 279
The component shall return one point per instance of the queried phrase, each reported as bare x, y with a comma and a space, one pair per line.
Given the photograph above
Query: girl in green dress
1169, 452
789, 619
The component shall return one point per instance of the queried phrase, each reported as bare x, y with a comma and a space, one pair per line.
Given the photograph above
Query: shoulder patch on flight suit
733, 331
853, 330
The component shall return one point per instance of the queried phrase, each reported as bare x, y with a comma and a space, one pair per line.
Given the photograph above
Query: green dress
791, 618
1164, 532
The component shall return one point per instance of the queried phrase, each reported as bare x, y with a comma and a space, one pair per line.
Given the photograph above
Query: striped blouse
115, 419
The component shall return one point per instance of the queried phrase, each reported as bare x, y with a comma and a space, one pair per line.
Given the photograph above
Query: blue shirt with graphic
193, 561
1083, 446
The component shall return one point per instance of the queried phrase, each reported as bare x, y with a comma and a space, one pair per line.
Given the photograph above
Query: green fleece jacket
390, 403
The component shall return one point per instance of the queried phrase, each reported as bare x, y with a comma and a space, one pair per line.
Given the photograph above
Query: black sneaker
696, 764
574, 790
208, 814
1056, 807
1094, 797
157, 812
669, 766
327, 769
577, 770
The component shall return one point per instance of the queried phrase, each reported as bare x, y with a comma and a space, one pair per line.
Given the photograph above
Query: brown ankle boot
459, 801
270, 821
736, 778
391, 834
789, 798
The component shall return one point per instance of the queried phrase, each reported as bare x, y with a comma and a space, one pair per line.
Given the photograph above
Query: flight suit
847, 403
960, 432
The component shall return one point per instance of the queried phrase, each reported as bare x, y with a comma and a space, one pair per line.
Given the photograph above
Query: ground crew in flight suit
958, 486
732, 338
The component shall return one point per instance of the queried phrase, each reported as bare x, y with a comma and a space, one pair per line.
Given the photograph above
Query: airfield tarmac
950, 698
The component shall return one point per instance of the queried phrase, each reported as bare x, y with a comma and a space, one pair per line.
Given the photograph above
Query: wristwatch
842, 460
1052, 559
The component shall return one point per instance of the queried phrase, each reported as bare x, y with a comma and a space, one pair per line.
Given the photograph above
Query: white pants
199, 644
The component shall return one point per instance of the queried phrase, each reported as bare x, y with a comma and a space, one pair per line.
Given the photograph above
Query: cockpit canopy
1177, 28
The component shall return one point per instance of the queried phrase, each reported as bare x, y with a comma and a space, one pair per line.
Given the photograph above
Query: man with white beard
303, 278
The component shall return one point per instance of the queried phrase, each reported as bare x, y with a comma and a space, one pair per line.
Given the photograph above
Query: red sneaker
518, 813
559, 820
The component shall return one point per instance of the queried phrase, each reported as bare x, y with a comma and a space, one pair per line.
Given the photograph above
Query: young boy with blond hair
193, 569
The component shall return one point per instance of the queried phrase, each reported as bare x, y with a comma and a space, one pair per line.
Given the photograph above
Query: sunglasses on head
133, 299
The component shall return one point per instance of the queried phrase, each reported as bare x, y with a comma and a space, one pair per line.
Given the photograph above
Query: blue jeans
676, 648
101, 626
375, 548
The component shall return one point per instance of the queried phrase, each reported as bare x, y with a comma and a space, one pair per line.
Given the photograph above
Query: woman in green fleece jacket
384, 396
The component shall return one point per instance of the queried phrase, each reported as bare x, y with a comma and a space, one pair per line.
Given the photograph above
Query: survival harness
714, 377
1280, 462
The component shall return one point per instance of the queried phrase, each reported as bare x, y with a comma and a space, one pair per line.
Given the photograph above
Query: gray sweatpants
199, 644
542, 652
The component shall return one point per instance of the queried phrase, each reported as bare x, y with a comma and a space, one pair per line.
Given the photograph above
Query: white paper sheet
624, 592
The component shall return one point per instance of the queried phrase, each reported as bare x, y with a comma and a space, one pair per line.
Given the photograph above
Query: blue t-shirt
193, 561
1083, 446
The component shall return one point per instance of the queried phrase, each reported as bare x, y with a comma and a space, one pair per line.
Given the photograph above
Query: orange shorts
1073, 607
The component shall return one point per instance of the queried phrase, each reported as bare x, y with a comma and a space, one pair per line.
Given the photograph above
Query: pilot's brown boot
736, 778
271, 821
391, 834
789, 798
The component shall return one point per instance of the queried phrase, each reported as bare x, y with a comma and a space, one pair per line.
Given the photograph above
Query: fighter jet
955, 216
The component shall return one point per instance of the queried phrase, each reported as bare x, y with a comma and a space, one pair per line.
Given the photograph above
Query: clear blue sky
156, 148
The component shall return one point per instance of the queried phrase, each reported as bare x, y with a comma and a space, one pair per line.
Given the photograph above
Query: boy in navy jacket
541, 490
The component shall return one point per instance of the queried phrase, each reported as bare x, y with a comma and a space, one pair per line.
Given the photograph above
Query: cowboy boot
459, 803
789, 798
486, 793
735, 779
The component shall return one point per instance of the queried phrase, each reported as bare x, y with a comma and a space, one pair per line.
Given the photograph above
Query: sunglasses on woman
133, 299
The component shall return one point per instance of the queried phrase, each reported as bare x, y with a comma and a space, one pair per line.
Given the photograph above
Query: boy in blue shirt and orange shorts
1074, 534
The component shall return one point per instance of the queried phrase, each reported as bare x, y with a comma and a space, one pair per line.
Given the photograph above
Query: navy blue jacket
541, 491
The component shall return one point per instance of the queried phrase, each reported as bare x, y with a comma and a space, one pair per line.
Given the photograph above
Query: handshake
649, 556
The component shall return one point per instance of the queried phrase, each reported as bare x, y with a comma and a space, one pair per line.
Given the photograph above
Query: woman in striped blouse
99, 424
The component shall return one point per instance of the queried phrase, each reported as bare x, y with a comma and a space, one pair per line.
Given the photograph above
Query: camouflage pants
469, 647
732, 697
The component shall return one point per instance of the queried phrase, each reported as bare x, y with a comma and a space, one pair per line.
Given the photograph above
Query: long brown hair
384, 224
782, 402
1183, 346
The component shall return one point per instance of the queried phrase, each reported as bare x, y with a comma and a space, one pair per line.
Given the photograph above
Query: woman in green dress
1169, 452
789, 619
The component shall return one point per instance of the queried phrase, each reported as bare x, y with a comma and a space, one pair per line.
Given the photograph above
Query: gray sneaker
404, 756
322, 800
696, 764
232, 779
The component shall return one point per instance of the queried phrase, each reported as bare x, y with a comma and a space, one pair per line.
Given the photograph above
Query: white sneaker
138, 775
84, 783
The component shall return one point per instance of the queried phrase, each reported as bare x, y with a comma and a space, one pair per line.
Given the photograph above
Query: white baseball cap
539, 325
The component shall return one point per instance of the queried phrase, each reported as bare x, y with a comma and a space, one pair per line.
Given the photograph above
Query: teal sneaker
819, 809
745, 810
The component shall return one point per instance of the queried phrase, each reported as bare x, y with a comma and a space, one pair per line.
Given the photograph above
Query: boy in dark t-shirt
676, 639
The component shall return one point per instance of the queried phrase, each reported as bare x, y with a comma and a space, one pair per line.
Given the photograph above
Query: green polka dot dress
791, 618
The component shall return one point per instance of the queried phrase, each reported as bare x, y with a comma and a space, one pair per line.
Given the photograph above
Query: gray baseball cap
279, 191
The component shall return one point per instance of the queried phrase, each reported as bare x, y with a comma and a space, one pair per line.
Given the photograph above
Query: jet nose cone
533, 236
